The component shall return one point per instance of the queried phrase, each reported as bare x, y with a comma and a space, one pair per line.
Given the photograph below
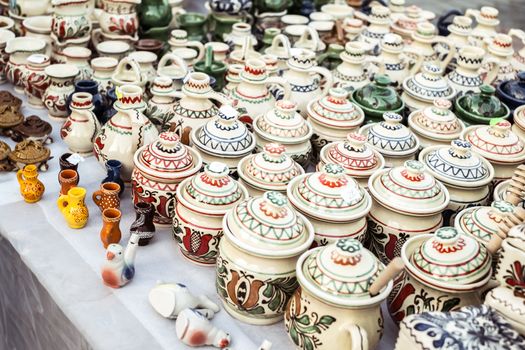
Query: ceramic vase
19, 49
68, 178
103, 68
119, 18
61, 85
73, 208
107, 196
36, 81
70, 20
31, 188
143, 225
160, 105
99, 103
113, 168
110, 232
466, 77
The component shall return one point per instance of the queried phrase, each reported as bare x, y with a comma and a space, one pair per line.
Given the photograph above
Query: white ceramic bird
119, 267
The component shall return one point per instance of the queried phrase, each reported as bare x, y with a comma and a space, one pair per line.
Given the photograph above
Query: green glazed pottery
213, 68
195, 24
221, 24
480, 108
154, 14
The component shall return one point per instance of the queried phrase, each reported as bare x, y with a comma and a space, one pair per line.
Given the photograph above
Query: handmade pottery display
126, 131
31, 188
393, 140
73, 208
119, 267
36, 80
30, 152
158, 169
263, 238
202, 202
19, 49
61, 78
283, 124
482, 107
512, 92
67, 178
110, 233
194, 329
436, 125
396, 64
107, 196
466, 76
499, 145
401, 197
143, 225
160, 105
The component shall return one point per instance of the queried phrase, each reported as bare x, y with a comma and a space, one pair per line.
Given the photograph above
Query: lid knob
169, 138
355, 141
274, 204
460, 149
348, 252
413, 11
447, 240
216, 169
337, 95
274, 149
486, 90
425, 29
413, 170
227, 114
499, 127
382, 80
392, 118
302, 58
441, 106
431, 69
333, 175
286, 108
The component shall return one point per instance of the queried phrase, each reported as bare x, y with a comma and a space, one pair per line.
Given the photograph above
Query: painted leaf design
327, 320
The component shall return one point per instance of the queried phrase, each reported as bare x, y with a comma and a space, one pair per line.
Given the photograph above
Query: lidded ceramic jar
202, 202
332, 117
480, 108
436, 125
284, 125
377, 98
334, 298
355, 155
443, 271
499, 145
420, 90
270, 170
263, 239
159, 168
224, 138
519, 122
407, 201
393, 140
333, 202
466, 175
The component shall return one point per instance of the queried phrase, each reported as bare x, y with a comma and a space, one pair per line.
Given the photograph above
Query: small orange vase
68, 178
110, 232
31, 188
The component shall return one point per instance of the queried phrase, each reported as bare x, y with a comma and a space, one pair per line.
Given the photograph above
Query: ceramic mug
107, 196
67, 178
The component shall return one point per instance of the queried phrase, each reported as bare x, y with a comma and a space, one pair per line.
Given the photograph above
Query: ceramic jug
79, 57
110, 232
466, 76
423, 41
351, 73
73, 208
126, 131
500, 52
107, 196
173, 67
160, 106
97, 99
36, 81
81, 126
235, 39
103, 68
487, 23
19, 49
119, 17
70, 20
396, 64
378, 25
143, 225
55, 98
304, 77
128, 72
31, 188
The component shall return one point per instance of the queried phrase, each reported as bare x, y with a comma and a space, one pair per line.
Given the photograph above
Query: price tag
75, 158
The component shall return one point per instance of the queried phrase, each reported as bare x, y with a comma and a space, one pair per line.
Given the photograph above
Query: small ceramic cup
68, 178
107, 196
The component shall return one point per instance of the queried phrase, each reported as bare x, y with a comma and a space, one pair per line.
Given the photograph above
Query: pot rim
477, 118
30, 23
62, 71
334, 124
242, 175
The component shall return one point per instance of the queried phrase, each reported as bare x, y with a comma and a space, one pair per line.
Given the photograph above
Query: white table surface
67, 263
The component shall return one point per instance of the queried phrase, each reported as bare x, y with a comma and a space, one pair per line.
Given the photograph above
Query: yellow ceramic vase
73, 208
31, 188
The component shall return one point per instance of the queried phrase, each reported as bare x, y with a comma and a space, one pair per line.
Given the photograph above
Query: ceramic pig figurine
194, 329
169, 299
119, 267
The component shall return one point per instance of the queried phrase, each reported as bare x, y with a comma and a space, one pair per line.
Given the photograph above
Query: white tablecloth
66, 263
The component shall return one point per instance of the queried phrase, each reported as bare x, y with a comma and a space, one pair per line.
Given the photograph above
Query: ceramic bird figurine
119, 267
194, 329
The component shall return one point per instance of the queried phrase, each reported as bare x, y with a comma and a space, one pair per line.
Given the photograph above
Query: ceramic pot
160, 106
397, 208
393, 140
110, 233
202, 202
396, 64
512, 92
284, 125
510, 260
173, 67
70, 20
30, 152
333, 202
500, 52
103, 68
499, 145
73, 208
40, 27
61, 85
36, 81
263, 238
154, 15
107, 196
81, 126
519, 122
19, 49
443, 272
351, 73
113, 168
31, 188
236, 37
195, 24
466, 76
466, 175
378, 25
67, 163
126, 131
146, 61
159, 167
79, 57
482, 107
117, 49
143, 225
67, 178
119, 17
30, 8
5, 36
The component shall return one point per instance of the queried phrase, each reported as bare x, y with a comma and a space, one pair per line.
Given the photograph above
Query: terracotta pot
110, 233
107, 196
67, 178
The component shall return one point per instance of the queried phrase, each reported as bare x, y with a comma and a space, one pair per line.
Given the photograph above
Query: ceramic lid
272, 169
516, 236
482, 222
483, 104
497, 142
341, 273
355, 155
283, 124
167, 159
335, 110
450, 258
456, 165
378, 95
409, 189
509, 302
29, 151
437, 122
211, 191
34, 126
429, 84
329, 195
390, 137
268, 226
224, 135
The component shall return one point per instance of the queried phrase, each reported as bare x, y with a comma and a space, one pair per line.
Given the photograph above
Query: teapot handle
329, 80
358, 336
378, 62
175, 60
283, 83
281, 40
518, 33
219, 97
63, 202
20, 177
199, 48
96, 36
472, 13
309, 39
492, 74
451, 50
127, 65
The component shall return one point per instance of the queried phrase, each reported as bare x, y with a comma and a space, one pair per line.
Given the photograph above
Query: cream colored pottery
223, 138
510, 261
40, 27
280, 49
378, 25
263, 239
146, 61
79, 57
518, 60
460, 30
70, 21
333, 307
188, 55
501, 191
338, 10
405, 23
443, 271
81, 126
241, 56
220, 50
116, 49
36, 80
160, 105
98, 36
466, 175
252, 92
119, 17
487, 23
173, 67
393, 140
19, 49
467, 76
58, 47
270, 170
332, 117
355, 155
333, 202
509, 303
500, 52
159, 167
232, 77
423, 41
396, 64
519, 122
7, 23
309, 40
179, 39
128, 72
436, 125
351, 73
5, 36
103, 69
62, 77
31, 8
18, 27
407, 202
236, 37
202, 202
499, 145
353, 28
304, 77
284, 125
126, 131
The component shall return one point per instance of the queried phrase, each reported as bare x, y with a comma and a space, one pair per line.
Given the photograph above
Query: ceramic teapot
379, 21
512, 92
482, 107
126, 131
466, 76
487, 23
352, 73
396, 64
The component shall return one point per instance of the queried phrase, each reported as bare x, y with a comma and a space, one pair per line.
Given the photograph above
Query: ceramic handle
20, 177
309, 37
518, 33
63, 202
388, 274
358, 337
97, 197
329, 80
283, 83
127, 65
493, 73
200, 49
220, 97
175, 60
378, 62
451, 50
281, 40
